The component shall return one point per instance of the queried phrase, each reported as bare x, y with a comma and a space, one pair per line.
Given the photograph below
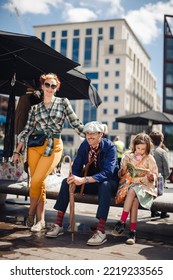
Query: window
106, 86
111, 49
105, 111
76, 32
89, 112
98, 44
111, 33
100, 30
43, 36
105, 98
52, 43
117, 73
92, 75
115, 111
115, 125
117, 86
53, 34
116, 98
88, 47
64, 47
64, 33
117, 60
88, 31
107, 61
75, 51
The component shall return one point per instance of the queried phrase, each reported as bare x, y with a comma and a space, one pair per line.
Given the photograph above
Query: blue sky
144, 17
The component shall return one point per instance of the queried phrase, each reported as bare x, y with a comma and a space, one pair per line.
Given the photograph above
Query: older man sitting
100, 156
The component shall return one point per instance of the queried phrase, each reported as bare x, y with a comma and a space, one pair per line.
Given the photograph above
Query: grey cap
93, 127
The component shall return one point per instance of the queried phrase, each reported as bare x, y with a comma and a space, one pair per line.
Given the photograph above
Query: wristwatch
86, 180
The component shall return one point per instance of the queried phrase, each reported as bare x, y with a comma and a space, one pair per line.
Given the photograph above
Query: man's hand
76, 180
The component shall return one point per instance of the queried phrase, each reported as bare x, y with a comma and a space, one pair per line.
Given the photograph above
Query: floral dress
145, 190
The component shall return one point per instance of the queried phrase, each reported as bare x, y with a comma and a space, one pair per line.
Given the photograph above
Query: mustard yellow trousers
41, 166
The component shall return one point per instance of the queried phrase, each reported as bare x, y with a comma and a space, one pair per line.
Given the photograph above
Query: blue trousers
104, 190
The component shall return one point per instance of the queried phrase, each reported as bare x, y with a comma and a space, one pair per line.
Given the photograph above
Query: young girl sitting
142, 189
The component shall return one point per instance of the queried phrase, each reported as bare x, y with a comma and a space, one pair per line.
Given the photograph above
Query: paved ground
154, 238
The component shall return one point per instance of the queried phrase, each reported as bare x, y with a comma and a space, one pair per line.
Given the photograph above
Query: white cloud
147, 22
31, 6
72, 14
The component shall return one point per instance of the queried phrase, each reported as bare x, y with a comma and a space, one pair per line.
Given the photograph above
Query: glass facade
168, 79
88, 49
75, 51
63, 47
90, 113
43, 36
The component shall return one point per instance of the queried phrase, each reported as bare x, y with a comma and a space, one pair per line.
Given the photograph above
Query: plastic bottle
160, 186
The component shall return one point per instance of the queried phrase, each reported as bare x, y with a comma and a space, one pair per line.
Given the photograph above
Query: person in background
106, 131
99, 156
120, 147
142, 189
48, 116
160, 154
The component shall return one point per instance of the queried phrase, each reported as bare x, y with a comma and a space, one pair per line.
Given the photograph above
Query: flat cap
93, 127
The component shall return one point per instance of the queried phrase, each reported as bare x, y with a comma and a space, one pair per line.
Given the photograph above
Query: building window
87, 55
53, 34
88, 31
89, 112
100, 30
64, 47
43, 36
52, 44
105, 98
105, 111
111, 49
76, 32
115, 125
75, 51
115, 111
169, 73
98, 44
116, 98
106, 86
64, 33
111, 32
117, 73
106, 74
117, 60
117, 86
92, 75
107, 61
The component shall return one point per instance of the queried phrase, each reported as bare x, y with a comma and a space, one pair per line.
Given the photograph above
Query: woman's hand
150, 176
16, 158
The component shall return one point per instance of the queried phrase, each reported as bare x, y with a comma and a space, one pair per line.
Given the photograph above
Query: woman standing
47, 117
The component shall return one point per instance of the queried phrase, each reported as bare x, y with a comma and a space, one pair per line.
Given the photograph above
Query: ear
42, 86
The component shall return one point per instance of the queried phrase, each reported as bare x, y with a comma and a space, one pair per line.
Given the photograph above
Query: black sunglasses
47, 85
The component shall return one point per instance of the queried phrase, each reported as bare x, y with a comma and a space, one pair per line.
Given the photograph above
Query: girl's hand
150, 176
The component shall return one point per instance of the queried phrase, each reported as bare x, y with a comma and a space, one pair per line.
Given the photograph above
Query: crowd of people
97, 167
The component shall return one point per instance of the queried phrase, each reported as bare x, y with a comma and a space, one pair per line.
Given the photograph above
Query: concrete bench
162, 203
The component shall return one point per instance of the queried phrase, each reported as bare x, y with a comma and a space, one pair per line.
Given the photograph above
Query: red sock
132, 226
124, 216
59, 219
101, 225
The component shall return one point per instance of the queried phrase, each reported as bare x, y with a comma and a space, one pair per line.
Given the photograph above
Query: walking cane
72, 188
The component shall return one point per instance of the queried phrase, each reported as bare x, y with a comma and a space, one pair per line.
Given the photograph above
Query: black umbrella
28, 57
74, 85
146, 118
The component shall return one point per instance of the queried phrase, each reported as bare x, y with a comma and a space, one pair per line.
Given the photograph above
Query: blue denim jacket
108, 164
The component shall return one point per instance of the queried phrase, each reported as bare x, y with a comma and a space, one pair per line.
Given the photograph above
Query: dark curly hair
156, 137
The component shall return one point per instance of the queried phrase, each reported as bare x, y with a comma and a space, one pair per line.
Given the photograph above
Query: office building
114, 59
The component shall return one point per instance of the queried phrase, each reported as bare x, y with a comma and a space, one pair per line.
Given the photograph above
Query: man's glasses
47, 85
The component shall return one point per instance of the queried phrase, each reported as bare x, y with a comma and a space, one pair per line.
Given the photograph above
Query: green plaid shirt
51, 121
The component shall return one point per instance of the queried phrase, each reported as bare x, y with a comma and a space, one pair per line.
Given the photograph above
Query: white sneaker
55, 231
38, 226
98, 238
